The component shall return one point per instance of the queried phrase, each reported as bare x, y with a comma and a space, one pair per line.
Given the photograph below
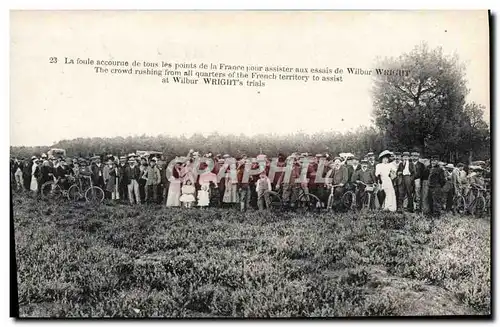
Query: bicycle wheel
74, 193
57, 192
349, 200
367, 201
308, 202
459, 204
94, 195
478, 207
46, 190
275, 201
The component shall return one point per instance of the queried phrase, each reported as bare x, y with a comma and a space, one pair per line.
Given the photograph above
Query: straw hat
384, 154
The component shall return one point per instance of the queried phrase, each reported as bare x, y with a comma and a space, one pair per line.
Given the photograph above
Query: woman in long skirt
231, 191
174, 189
385, 171
35, 171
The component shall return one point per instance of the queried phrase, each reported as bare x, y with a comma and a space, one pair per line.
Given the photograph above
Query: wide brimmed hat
226, 156
406, 154
337, 158
415, 154
476, 168
370, 154
385, 153
33, 158
364, 162
95, 158
450, 166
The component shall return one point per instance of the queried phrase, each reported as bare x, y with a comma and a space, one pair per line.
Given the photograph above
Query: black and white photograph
250, 164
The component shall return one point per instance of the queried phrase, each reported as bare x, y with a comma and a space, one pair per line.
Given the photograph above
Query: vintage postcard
257, 164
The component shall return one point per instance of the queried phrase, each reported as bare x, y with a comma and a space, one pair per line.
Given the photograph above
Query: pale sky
53, 102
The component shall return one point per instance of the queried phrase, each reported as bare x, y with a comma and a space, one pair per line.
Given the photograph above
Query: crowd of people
398, 181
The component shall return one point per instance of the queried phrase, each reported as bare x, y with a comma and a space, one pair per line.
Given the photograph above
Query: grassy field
119, 261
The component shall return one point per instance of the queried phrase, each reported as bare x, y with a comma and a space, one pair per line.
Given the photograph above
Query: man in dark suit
27, 166
97, 172
437, 180
419, 172
122, 179
406, 173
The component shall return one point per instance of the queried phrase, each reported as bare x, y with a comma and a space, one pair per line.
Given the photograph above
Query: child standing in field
187, 197
263, 185
204, 180
204, 195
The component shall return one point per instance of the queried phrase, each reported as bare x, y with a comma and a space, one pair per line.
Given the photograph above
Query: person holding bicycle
365, 178
336, 178
63, 174
288, 182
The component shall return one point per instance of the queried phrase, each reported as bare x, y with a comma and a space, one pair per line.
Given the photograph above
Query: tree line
425, 111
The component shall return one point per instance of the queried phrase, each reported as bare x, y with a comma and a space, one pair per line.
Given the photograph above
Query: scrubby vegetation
119, 261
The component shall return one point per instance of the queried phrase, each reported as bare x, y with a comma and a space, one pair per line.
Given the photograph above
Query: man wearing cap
451, 187
27, 165
419, 167
396, 182
367, 177
122, 181
153, 180
132, 176
244, 178
337, 176
437, 180
97, 171
370, 157
292, 185
406, 172
143, 167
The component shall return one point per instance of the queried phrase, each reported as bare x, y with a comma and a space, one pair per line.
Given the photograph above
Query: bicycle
93, 194
476, 204
367, 201
348, 198
303, 202
53, 189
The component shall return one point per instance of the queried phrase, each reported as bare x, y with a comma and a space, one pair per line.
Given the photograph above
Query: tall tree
418, 103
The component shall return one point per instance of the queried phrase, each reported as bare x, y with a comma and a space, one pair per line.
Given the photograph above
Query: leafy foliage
426, 109
363, 140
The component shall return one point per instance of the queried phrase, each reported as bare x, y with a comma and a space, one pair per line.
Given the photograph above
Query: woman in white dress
174, 189
386, 171
34, 176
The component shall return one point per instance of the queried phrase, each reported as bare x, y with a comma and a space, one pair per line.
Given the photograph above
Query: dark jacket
97, 174
46, 174
132, 173
401, 168
437, 177
367, 177
27, 166
419, 170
